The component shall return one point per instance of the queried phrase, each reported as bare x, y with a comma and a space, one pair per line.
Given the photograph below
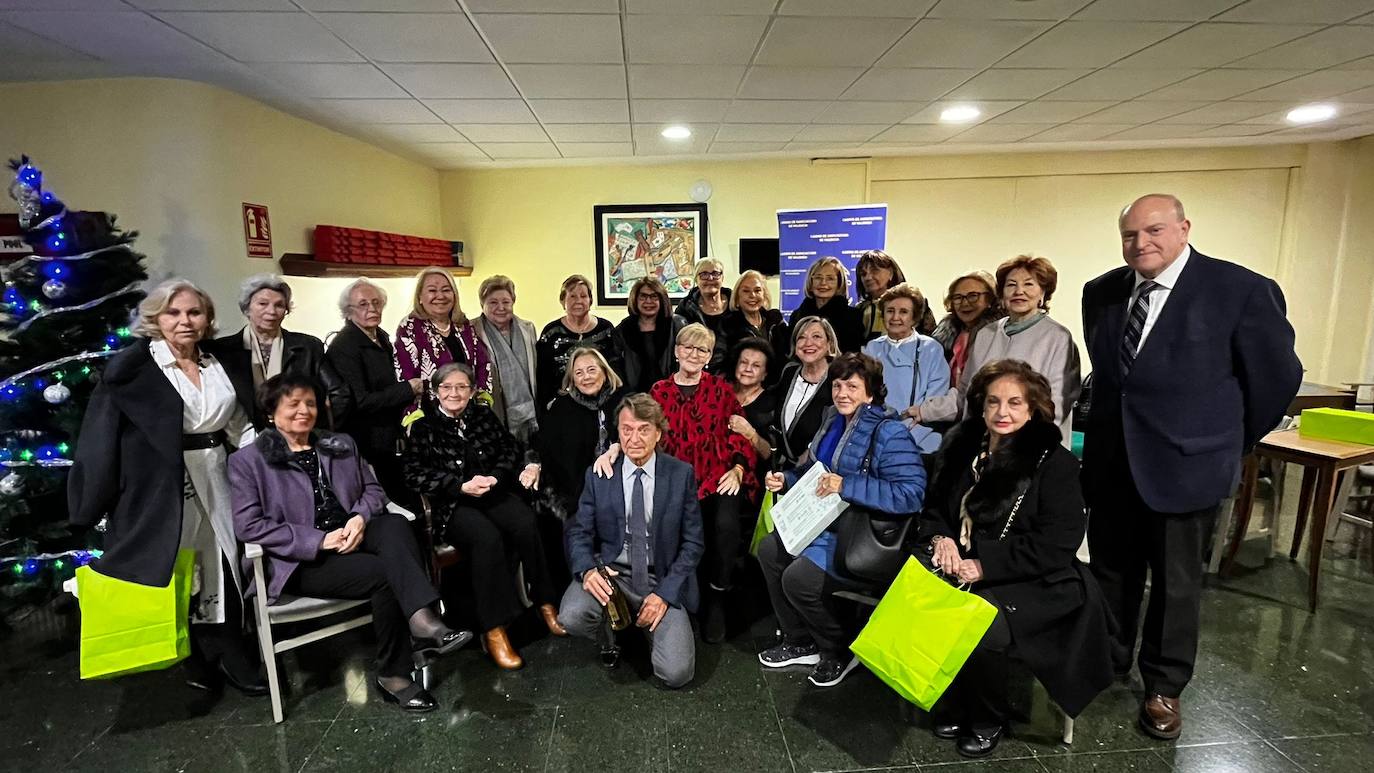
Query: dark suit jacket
596, 535
377, 397
301, 353
1216, 373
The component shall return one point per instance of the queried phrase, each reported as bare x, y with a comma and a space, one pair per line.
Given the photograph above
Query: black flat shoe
433, 647
947, 730
254, 686
414, 699
609, 658
978, 744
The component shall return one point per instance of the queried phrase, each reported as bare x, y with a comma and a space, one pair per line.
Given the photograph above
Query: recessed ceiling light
1311, 113
676, 133
959, 114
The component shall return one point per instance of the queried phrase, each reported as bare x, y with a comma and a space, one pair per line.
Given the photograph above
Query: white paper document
799, 515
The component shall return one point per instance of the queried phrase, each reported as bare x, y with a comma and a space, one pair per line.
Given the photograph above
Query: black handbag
871, 547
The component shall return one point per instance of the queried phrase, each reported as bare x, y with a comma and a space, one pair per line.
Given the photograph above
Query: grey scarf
517, 391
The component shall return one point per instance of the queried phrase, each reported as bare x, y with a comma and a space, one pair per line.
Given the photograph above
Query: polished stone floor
1277, 689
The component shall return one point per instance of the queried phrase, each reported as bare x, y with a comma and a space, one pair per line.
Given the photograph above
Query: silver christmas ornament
54, 288
57, 393
12, 485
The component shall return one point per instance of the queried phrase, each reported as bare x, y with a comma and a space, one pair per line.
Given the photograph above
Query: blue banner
804, 235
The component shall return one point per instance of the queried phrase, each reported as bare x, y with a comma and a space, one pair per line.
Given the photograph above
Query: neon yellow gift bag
764, 525
921, 633
127, 628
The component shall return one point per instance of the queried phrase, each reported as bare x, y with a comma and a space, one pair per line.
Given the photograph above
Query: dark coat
845, 319
444, 453
689, 308
566, 447
1059, 621
128, 466
793, 443
597, 534
1216, 374
274, 499
640, 376
775, 331
301, 354
376, 396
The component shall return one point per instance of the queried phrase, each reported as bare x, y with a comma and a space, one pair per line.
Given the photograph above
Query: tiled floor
1277, 690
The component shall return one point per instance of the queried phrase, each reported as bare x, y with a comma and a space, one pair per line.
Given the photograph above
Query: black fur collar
273, 446
1009, 471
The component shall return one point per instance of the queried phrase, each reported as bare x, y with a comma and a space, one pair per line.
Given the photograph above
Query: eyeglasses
701, 350
966, 298
648, 296
378, 304
710, 274
454, 388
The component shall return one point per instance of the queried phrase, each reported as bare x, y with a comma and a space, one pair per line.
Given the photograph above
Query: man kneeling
644, 527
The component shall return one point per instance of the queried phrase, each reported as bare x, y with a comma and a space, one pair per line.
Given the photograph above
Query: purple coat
274, 501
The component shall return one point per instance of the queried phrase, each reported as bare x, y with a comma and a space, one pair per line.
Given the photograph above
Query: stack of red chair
336, 244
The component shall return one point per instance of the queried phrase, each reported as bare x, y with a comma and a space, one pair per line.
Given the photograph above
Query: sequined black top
329, 514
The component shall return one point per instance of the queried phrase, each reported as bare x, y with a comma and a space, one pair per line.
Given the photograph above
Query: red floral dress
699, 432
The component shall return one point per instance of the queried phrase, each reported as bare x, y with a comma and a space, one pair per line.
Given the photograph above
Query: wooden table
1322, 461
1311, 395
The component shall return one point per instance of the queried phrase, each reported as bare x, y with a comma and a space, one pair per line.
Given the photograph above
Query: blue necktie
1135, 325
639, 537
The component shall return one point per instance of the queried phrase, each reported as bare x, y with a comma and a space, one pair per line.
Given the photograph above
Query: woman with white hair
150, 458
361, 354
262, 349
708, 303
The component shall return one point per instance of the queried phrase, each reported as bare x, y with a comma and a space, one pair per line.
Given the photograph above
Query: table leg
1245, 501
1326, 493
1309, 476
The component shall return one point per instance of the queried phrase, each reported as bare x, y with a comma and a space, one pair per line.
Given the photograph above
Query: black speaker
759, 255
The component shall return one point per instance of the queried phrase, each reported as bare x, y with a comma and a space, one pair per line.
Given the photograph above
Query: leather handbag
617, 609
871, 547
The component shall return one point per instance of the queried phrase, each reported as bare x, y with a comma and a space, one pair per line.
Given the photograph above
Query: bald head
1154, 233
1154, 199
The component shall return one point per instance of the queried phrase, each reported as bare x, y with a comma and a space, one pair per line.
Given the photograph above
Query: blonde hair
833, 350
457, 315
977, 275
696, 334
588, 351
841, 272
708, 263
144, 323
493, 283
746, 276
574, 281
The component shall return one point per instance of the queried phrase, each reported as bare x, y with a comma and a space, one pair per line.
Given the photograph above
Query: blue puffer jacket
895, 483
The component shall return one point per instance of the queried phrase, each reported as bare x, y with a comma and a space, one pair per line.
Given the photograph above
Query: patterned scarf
596, 403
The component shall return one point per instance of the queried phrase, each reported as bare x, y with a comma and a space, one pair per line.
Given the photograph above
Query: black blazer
775, 331
640, 376
376, 397
302, 354
795, 440
845, 319
1216, 374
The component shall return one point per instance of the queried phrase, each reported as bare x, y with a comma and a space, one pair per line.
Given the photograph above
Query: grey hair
1169, 197
144, 321
346, 297
258, 282
448, 369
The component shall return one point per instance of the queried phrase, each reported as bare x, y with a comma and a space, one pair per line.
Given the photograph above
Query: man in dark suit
1193, 363
644, 526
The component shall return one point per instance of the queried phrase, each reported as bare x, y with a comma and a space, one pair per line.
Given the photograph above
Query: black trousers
1127, 539
720, 516
483, 533
387, 568
977, 697
226, 642
801, 593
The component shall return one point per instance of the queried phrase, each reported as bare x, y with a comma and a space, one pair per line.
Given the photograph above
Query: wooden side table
1322, 461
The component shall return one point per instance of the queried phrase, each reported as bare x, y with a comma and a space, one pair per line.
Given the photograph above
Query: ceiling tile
1118, 84
1075, 132
412, 132
332, 80
926, 132
792, 82
1235, 130
1225, 112
264, 37
588, 132
209, 5
22, 44
1322, 49
25, 70
648, 141
390, 6
991, 132
1053, 112
906, 84
827, 42
679, 110
1160, 131
580, 110
116, 36
1221, 84
1281, 11
481, 110
1004, 9
607, 150
773, 110
449, 150
895, 9
1015, 84
684, 81
838, 133
1363, 20
1317, 85
409, 37
960, 42
745, 147
1212, 44
542, 6
1366, 63
814, 147
1363, 95
757, 132
862, 112
452, 81
513, 151
692, 39
1089, 43
1155, 10
694, 7
570, 81
1139, 112
378, 110
988, 109
553, 38
502, 132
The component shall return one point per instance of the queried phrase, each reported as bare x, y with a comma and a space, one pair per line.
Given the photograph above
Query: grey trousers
673, 646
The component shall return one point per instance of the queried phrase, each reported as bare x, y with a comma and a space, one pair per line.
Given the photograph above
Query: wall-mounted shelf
303, 264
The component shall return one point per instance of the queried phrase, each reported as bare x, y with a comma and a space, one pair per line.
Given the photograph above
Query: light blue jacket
912, 370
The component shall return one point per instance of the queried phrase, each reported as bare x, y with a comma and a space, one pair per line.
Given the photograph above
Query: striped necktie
1135, 324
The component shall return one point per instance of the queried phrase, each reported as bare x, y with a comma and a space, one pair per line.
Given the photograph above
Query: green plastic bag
921, 633
127, 628
764, 525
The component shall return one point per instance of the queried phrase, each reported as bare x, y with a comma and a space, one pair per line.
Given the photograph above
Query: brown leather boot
550, 615
498, 646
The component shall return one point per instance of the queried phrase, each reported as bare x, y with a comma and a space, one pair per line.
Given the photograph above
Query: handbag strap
1007, 527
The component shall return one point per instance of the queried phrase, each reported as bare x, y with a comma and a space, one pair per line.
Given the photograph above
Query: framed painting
638, 240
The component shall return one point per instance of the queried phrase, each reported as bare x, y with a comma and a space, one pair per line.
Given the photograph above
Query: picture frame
637, 240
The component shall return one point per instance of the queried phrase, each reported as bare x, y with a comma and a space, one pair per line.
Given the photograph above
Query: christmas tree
65, 309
